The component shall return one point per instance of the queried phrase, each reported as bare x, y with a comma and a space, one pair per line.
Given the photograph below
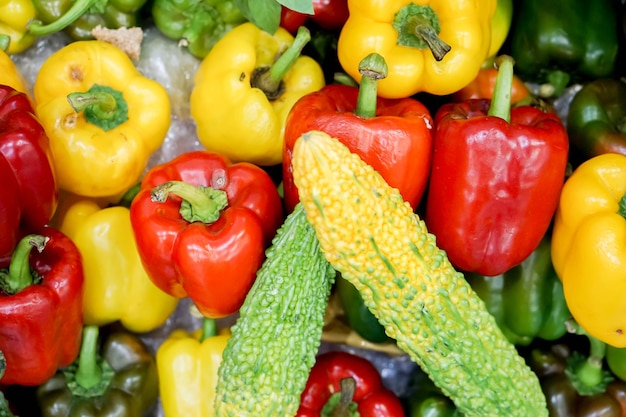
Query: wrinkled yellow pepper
188, 370
14, 18
232, 111
117, 288
589, 246
10, 75
119, 117
438, 48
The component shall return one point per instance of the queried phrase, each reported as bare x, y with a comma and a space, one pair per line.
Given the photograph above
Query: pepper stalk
20, 275
79, 8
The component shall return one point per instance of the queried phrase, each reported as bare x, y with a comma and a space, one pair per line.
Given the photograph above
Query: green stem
270, 79
5, 41
88, 373
79, 8
209, 328
419, 27
589, 373
372, 68
341, 403
101, 105
622, 206
200, 203
501, 98
19, 274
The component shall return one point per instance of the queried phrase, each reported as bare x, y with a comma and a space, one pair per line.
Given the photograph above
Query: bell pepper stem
418, 27
79, 8
341, 403
269, 79
101, 105
372, 68
209, 328
501, 98
88, 372
5, 41
19, 274
589, 372
199, 203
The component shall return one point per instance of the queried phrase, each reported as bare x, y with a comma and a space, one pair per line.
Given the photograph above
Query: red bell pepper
25, 146
342, 383
41, 307
496, 177
394, 136
202, 226
328, 14
9, 209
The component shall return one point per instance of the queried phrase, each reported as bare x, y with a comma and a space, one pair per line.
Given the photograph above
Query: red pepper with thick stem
41, 307
496, 177
328, 14
25, 146
394, 136
341, 383
202, 226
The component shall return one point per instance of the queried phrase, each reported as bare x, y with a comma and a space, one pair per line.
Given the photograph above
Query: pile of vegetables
312, 208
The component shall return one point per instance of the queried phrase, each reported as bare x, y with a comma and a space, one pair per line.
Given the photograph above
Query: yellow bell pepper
589, 246
10, 75
116, 119
241, 114
188, 370
439, 47
117, 288
14, 18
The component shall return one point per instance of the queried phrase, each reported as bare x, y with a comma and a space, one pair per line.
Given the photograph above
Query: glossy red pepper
41, 307
202, 226
336, 374
496, 178
395, 136
328, 14
9, 209
25, 146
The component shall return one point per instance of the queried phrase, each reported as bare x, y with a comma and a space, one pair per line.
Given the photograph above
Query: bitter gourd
273, 344
376, 241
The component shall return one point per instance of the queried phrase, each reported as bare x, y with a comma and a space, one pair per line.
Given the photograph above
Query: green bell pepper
120, 381
198, 24
77, 18
357, 315
563, 41
426, 400
616, 361
527, 300
5, 409
596, 122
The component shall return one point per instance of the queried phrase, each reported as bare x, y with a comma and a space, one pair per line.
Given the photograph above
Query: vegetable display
492, 165
202, 226
373, 238
40, 307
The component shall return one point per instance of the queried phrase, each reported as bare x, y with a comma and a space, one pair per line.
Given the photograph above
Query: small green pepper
596, 122
426, 400
357, 315
77, 18
561, 41
527, 300
120, 381
197, 24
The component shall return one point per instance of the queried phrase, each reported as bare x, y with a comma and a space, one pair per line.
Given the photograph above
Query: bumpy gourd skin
267, 360
375, 241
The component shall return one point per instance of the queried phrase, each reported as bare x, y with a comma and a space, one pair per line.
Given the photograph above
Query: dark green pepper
426, 400
357, 315
197, 24
596, 122
616, 361
527, 300
78, 18
121, 381
5, 409
575, 385
563, 41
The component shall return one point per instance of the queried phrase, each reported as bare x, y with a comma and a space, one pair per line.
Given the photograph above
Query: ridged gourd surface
376, 241
267, 360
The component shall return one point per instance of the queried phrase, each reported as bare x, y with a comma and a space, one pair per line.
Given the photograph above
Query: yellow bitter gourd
267, 360
375, 240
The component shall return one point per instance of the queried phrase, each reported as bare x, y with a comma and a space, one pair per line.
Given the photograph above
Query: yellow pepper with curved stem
589, 246
245, 87
14, 18
188, 366
103, 117
10, 75
117, 288
433, 46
